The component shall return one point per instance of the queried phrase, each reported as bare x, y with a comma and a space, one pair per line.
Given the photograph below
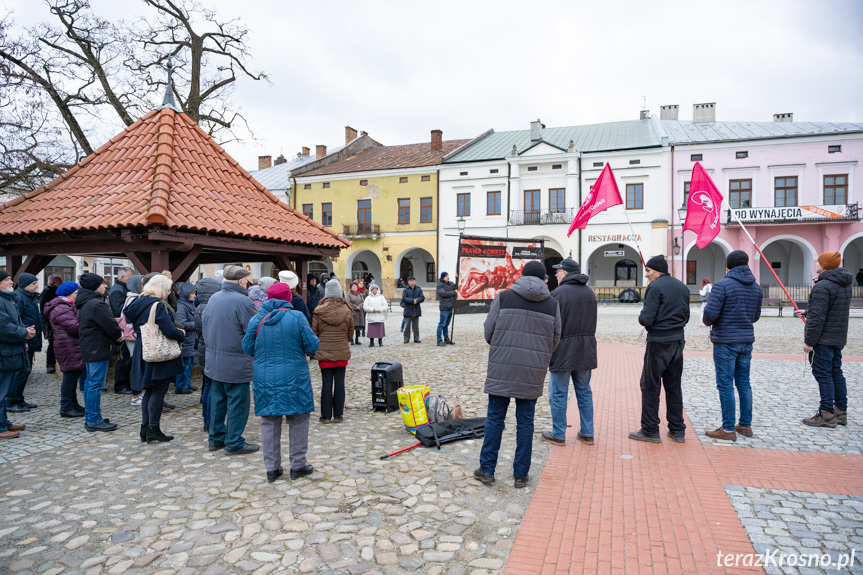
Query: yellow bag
412, 401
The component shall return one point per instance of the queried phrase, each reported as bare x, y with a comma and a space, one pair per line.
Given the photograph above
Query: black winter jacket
117, 297
666, 309
829, 308
186, 316
577, 348
446, 294
28, 307
206, 288
98, 330
734, 305
409, 294
13, 336
314, 294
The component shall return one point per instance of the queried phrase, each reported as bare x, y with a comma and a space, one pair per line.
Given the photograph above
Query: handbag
155, 347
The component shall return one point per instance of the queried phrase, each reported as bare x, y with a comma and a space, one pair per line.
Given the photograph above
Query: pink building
795, 185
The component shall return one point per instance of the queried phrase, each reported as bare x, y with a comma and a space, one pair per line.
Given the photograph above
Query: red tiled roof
389, 158
163, 169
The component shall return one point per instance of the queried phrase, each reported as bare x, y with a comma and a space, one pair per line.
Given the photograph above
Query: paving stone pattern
800, 523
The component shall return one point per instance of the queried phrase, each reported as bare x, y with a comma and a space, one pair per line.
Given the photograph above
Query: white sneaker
137, 400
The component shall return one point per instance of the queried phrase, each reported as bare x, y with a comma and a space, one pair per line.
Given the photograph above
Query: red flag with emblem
703, 207
602, 195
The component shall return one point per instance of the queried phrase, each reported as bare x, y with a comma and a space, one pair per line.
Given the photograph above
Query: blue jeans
183, 380
827, 369
229, 413
558, 394
205, 398
497, 408
5, 382
443, 324
97, 372
732, 369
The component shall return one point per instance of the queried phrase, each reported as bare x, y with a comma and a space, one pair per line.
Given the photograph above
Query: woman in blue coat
279, 338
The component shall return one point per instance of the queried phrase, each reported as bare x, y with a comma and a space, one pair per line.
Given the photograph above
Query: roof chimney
668, 112
350, 134
704, 112
644, 115
265, 162
320, 151
436, 140
786, 117
536, 130
306, 151
280, 160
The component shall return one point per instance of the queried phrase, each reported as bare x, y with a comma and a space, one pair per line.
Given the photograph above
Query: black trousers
412, 321
153, 402
663, 366
123, 369
333, 400
50, 359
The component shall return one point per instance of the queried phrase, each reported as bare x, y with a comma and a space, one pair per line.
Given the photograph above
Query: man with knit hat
824, 336
664, 316
734, 306
27, 300
14, 335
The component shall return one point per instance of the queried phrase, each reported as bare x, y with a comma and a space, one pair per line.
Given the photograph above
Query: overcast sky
400, 69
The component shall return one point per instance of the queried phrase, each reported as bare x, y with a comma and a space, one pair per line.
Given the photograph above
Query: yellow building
385, 200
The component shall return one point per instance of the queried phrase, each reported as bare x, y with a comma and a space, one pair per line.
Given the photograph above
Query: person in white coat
376, 307
703, 296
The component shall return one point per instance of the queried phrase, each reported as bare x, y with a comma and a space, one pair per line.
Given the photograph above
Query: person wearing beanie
49, 293
265, 283
117, 299
62, 315
27, 299
99, 334
664, 316
289, 277
206, 288
523, 330
279, 338
446, 292
333, 323
355, 301
824, 337
412, 297
734, 306
14, 334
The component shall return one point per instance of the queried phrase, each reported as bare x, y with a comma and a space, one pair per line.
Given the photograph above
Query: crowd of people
258, 338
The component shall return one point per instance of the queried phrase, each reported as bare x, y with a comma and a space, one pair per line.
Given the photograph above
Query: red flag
703, 207
603, 195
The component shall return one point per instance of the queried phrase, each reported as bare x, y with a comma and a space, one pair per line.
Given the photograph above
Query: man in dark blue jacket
734, 305
186, 316
14, 335
412, 297
664, 316
27, 300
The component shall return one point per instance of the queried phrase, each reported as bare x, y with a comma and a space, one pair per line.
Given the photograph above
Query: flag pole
637, 245
745, 231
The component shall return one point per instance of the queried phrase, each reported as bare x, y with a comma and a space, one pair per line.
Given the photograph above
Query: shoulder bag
155, 347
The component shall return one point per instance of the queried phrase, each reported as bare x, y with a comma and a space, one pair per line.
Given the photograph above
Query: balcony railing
540, 217
359, 230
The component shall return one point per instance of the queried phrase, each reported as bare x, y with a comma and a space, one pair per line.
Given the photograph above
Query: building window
531, 207
785, 192
634, 162
695, 158
691, 276
532, 168
462, 173
406, 269
364, 216
556, 166
463, 204
403, 180
425, 210
493, 204
307, 186
556, 197
493, 171
327, 214
835, 189
833, 149
364, 182
425, 178
741, 155
686, 193
625, 271
404, 211
740, 194
326, 184
430, 273
309, 211
634, 196
598, 164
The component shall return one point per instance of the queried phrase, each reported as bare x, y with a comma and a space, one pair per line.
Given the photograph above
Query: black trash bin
386, 381
629, 295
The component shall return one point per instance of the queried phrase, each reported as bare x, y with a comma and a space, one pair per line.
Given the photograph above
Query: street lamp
681, 218
461, 222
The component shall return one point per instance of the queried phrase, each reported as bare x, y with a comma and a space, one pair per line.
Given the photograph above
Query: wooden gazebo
163, 194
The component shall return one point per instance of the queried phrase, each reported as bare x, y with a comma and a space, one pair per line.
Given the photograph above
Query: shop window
691, 276
430, 273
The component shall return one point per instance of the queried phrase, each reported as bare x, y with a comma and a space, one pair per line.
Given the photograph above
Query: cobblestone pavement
799, 523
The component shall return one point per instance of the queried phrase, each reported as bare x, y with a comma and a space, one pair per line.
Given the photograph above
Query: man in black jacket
14, 335
575, 356
27, 300
825, 335
664, 316
412, 297
99, 335
446, 291
116, 298
49, 293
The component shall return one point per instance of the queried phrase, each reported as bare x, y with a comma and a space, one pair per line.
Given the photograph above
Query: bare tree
68, 85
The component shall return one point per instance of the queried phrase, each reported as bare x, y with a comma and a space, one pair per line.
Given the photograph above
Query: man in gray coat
225, 320
575, 357
523, 329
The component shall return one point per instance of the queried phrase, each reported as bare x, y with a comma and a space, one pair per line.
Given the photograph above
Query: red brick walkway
664, 510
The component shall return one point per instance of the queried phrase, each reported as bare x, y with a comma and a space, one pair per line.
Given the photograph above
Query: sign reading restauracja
796, 213
617, 238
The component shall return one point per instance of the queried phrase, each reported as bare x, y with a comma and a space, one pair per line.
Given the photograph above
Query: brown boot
9, 435
744, 431
720, 433
840, 414
821, 418
18, 427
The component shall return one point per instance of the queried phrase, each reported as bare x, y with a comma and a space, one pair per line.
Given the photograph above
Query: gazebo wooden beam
242, 245
141, 261
183, 269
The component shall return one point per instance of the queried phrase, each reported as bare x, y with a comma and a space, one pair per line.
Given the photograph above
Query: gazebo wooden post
141, 262
301, 272
160, 261
13, 266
